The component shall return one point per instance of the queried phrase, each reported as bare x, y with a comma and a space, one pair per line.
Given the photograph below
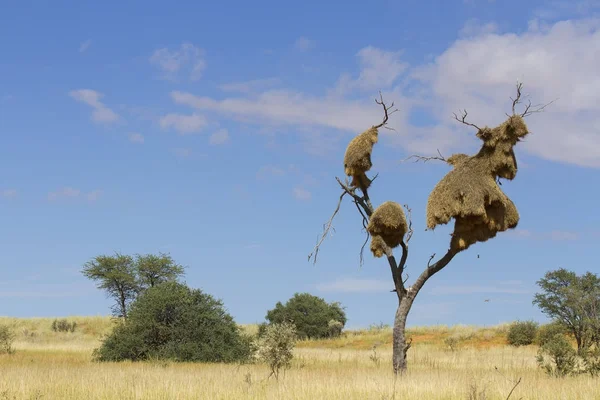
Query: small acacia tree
574, 301
124, 277
469, 194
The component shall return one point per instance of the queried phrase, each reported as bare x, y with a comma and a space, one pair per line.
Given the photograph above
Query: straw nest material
377, 246
470, 194
388, 225
357, 159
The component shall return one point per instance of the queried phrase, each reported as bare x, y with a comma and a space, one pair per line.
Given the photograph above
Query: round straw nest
387, 227
357, 159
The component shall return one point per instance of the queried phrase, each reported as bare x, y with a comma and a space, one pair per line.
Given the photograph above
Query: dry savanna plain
59, 365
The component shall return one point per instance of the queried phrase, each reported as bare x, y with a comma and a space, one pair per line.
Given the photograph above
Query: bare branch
410, 231
367, 208
463, 118
386, 111
418, 158
429, 262
365, 222
529, 108
326, 228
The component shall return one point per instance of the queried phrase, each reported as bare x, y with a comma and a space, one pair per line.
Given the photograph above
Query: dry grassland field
51, 365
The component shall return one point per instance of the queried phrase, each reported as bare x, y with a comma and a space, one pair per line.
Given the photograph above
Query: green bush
335, 328
310, 314
522, 333
548, 331
173, 322
62, 325
557, 357
7, 337
275, 347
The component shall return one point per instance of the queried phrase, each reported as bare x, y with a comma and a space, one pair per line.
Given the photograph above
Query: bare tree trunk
400, 344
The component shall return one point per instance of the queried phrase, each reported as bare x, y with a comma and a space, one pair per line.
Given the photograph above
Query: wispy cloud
8, 193
172, 62
444, 290
301, 194
251, 86
136, 138
269, 170
101, 113
219, 137
85, 45
182, 152
556, 235
354, 285
184, 124
304, 44
72, 193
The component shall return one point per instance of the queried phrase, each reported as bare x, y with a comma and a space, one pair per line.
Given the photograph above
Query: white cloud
182, 152
219, 137
563, 235
556, 61
443, 290
136, 138
249, 86
187, 57
72, 193
301, 194
100, 113
84, 46
304, 44
281, 107
557, 235
477, 72
184, 124
355, 285
93, 196
8, 193
66, 192
473, 28
379, 70
269, 170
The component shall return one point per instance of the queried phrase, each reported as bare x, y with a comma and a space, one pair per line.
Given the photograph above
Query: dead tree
483, 209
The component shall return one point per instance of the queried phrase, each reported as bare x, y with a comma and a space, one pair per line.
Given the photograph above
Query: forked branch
463, 119
386, 112
529, 108
418, 158
326, 228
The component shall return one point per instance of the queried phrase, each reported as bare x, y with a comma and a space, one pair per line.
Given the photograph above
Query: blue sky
214, 131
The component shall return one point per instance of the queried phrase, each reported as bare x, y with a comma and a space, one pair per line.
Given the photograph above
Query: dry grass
59, 367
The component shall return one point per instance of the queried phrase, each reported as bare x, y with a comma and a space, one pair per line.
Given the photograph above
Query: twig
429, 262
386, 111
529, 108
326, 227
418, 158
410, 231
364, 224
511, 381
463, 119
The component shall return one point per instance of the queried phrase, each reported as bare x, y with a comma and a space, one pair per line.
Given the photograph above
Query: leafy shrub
170, 321
335, 328
557, 357
310, 315
7, 338
522, 333
63, 325
275, 347
591, 362
548, 331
